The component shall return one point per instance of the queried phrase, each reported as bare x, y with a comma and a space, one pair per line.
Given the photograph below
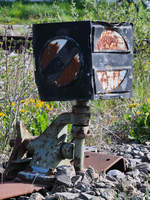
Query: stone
36, 196
63, 179
148, 157
64, 174
129, 186
108, 194
90, 172
128, 149
64, 196
86, 179
145, 167
133, 173
23, 198
86, 196
147, 143
76, 179
111, 178
133, 184
141, 154
116, 173
100, 185
67, 170
82, 187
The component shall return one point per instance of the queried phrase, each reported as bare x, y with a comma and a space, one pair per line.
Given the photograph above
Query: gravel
132, 184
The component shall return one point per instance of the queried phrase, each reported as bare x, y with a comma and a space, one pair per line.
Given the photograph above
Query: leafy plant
138, 119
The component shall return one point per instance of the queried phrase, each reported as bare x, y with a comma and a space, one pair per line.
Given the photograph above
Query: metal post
79, 131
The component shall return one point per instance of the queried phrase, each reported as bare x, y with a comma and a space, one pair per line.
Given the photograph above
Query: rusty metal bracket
9, 190
33, 156
103, 162
34, 159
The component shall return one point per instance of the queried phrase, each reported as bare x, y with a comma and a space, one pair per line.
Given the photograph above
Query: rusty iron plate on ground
8, 190
103, 162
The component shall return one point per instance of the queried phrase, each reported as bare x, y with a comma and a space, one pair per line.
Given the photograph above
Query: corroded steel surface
8, 190
103, 162
111, 40
49, 149
110, 80
57, 49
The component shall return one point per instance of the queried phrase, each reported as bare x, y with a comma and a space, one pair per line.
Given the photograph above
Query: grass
28, 13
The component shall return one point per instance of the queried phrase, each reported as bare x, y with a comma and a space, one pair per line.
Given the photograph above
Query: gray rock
129, 185
116, 173
128, 149
23, 198
141, 154
145, 167
135, 173
111, 178
67, 170
86, 196
82, 187
133, 184
147, 143
76, 179
148, 157
133, 163
90, 172
36, 196
145, 150
86, 179
107, 194
100, 185
64, 174
63, 196
63, 179
74, 190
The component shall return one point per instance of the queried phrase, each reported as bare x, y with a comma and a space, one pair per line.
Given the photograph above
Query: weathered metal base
8, 190
99, 161
103, 162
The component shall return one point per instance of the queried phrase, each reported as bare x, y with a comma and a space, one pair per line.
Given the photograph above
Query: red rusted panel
8, 190
111, 40
49, 53
110, 80
69, 72
103, 162
72, 68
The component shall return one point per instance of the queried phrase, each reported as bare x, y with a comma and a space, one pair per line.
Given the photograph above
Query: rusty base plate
8, 190
103, 162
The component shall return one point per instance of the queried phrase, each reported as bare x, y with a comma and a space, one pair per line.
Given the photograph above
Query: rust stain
110, 80
100, 161
69, 72
48, 54
111, 40
8, 190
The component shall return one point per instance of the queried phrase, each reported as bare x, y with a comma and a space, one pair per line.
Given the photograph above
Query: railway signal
83, 60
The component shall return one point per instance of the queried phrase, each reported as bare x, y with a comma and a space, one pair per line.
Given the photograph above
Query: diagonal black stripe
61, 60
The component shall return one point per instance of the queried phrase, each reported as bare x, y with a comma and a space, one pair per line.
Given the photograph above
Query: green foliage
138, 118
36, 114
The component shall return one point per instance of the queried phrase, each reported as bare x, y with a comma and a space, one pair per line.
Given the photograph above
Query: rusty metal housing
83, 60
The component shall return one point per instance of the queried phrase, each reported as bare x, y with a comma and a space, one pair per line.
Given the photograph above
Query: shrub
138, 118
